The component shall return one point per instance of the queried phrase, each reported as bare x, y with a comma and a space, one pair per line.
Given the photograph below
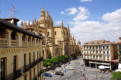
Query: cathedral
57, 40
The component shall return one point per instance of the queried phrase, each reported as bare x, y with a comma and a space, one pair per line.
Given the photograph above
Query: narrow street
89, 72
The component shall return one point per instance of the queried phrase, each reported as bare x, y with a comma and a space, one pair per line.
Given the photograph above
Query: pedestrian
95, 77
102, 77
111, 73
80, 71
44, 79
61, 74
84, 69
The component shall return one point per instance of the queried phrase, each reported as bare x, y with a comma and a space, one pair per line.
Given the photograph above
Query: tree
116, 75
47, 62
55, 60
49, 56
76, 52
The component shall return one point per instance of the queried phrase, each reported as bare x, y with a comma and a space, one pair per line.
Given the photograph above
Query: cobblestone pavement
89, 72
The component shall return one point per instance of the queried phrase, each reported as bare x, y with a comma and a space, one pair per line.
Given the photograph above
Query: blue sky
88, 19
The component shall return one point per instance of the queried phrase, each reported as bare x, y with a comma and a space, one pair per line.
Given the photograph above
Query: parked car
47, 74
70, 68
59, 73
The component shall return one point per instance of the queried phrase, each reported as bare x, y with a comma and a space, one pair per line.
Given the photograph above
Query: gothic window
48, 33
55, 32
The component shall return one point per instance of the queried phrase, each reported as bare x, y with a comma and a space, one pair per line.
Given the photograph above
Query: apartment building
100, 52
21, 55
119, 50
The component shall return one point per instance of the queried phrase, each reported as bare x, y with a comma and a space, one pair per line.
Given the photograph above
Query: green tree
47, 62
116, 75
49, 56
55, 60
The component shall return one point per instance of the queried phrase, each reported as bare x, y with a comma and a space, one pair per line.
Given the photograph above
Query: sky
88, 19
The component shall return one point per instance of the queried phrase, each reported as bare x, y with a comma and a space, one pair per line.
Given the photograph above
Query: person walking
102, 77
84, 69
111, 73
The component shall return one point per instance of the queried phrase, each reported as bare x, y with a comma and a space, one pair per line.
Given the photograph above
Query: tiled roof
98, 42
118, 42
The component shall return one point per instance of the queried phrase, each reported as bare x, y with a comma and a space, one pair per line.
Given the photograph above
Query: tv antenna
13, 11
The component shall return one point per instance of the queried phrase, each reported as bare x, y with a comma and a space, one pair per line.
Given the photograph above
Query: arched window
55, 32
48, 33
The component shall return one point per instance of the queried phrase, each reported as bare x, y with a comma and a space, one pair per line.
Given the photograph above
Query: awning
103, 67
117, 70
119, 66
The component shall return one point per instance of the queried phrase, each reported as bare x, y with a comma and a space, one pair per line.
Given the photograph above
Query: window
48, 26
93, 47
120, 52
96, 47
107, 52
103, 52
93, 52
107, 47
103, 47
107, 58
67, 33
24, 59
119, 46
96, 57
48, 33
2, 67
120, 58
87, 47
29, 58
96, 52
93, 57
100, 47
14, 64
55, 32
90, 47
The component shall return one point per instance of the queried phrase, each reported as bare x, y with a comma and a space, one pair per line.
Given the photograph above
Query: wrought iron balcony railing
13, 75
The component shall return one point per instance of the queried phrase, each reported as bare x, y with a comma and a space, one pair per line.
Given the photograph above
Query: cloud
95, 30
85, 0
82, 15
62, 12
72, 10
112, 17
58, 22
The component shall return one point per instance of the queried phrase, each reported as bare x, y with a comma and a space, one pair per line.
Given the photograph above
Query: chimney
11, 20
119, 39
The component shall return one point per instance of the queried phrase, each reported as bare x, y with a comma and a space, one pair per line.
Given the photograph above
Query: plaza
89, 72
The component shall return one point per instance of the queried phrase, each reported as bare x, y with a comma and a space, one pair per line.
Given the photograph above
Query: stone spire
47, 14
21, 24
62, 24
35, 20
67, 26
29, 23
42, 12
25, 24
32, 23
73, 36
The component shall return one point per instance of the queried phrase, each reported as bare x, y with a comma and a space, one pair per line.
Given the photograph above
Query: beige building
56, 38
119, 50
74, 46
20, 52
100, 52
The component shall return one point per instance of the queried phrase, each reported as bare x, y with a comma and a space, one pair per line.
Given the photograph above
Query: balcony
29, 66
13, 76
3, 42
35, 78
14, 42
24, 43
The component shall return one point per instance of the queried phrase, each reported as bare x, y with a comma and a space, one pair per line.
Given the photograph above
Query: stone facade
20, 53
57, 39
